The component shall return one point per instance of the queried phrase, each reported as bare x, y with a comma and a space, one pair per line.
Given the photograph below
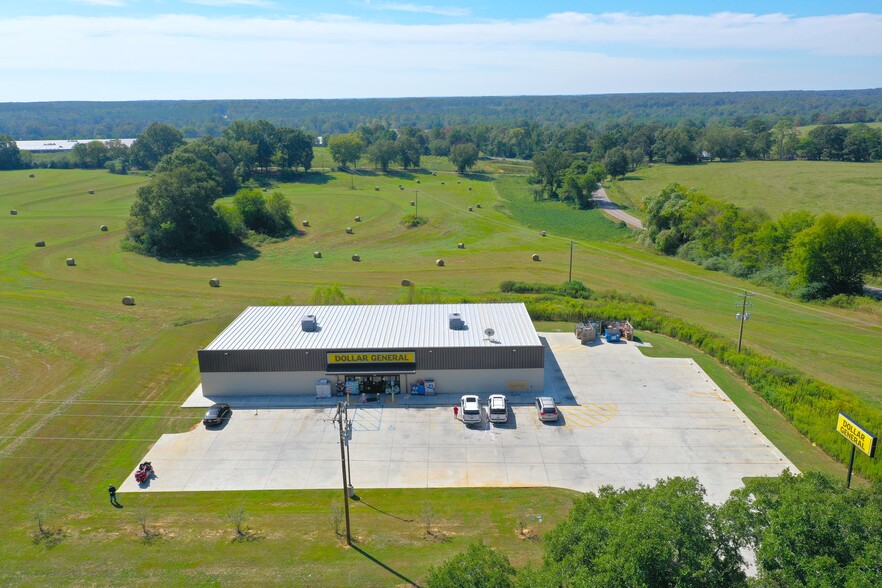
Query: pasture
88, 384
774, 186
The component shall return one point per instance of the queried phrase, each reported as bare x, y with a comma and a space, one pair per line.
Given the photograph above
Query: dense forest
197, 118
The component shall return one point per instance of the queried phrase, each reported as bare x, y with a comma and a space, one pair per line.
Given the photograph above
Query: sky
229, 49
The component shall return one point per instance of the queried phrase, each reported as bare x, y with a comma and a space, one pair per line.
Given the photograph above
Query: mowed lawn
89, 384
775, 186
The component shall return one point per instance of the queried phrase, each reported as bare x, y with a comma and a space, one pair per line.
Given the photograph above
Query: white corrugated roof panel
384, 326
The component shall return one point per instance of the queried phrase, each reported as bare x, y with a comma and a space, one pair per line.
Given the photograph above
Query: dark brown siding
289, 360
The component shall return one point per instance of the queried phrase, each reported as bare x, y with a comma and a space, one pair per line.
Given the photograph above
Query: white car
497, 409
470, 408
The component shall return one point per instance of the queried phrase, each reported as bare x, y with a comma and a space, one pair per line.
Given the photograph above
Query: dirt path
612, 209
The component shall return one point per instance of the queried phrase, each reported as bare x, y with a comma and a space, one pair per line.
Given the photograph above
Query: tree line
812, 257
805, 530
198, 118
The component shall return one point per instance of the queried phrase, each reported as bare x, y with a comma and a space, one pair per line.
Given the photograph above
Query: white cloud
418, 8
113, 3
224, 3
188, 56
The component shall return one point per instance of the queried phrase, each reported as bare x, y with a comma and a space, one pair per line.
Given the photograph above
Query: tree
10, 156
346, 148
829, 141
580, 181
784, 139
808, 530
463, 156
479, 567
549, 168
295, 147
676, 146
279, 209
173, 214
91, 155
665, 535
382, 152
835, 254
615, 162
252, 207
157, 141
260, 133
409, 151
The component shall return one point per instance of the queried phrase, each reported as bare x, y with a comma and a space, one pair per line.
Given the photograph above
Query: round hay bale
536, 257
412, 203
356, 258
71, 261
478, 205
460, 245
264, 189
32, 176
40, 244
214, 282
349, 230
128, 300
458, 182
439, 262
13, 212
103, 228
471, 209
376, 188
470, 188
406, 282
442, 182
358, 219
317, 254
306, 223
434, 174
418, 181
91, 191
400, 187
542, 233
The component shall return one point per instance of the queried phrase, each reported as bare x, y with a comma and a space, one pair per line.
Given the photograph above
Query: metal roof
61, 144
385, 326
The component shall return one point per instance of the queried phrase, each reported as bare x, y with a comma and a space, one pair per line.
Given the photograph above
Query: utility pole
571, 261
416, 203
743, 316
343, 464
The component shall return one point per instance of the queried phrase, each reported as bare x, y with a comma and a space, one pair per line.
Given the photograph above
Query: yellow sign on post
859, 437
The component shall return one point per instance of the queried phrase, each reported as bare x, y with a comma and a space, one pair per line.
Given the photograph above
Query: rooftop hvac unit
456, 322
309, 323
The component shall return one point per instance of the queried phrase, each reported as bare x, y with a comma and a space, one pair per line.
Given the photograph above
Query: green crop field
774, 186
89, 384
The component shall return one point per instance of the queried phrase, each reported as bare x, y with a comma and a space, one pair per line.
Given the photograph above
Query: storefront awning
370, 369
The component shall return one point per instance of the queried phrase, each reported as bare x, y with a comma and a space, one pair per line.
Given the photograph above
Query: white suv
497, 409
470, 407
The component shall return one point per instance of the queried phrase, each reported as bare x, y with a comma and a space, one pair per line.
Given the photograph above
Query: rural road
605, 204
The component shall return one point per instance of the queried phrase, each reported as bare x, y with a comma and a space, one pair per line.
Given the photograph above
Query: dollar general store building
420, 348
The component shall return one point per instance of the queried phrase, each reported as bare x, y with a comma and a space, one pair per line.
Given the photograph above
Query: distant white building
61, 145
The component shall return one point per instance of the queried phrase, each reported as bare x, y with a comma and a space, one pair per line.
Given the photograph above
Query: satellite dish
489, 332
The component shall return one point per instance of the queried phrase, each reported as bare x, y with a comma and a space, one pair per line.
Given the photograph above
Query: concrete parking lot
626, 420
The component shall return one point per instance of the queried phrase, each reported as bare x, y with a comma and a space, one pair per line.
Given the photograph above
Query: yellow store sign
855, 433
372, 357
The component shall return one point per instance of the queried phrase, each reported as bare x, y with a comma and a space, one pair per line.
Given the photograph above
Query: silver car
547, 409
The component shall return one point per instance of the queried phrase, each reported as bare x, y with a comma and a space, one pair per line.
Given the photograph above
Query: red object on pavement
455, 412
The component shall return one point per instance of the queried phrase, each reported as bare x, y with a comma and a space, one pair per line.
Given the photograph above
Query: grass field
775, 186
88, 384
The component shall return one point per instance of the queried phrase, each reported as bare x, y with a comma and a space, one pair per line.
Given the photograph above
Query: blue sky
204, 49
